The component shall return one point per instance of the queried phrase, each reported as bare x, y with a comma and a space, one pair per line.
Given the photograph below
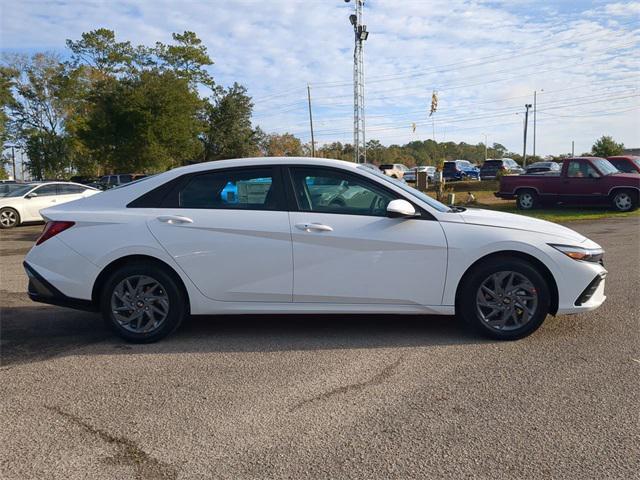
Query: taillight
51, 229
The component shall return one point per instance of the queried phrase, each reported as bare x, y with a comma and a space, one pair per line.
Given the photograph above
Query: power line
534, 49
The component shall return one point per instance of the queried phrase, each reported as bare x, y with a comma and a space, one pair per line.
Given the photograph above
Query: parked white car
24, 204
149, 253
412, 174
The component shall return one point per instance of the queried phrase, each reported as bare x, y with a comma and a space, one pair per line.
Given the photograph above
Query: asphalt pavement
315, 397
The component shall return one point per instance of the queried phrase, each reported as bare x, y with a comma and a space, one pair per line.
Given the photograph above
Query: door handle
316, 227
174, 219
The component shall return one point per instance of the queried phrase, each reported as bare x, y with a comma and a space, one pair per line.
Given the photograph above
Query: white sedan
265, 235
24, 204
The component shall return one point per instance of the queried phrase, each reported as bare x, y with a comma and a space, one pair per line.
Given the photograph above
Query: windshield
604, 166
18, 192
432, 202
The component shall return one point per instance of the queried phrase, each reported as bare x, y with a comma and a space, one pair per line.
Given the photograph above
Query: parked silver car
412, 174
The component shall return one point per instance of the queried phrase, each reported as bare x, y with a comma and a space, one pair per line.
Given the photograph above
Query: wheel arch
519, 189
539, 265
119, 262
614, 190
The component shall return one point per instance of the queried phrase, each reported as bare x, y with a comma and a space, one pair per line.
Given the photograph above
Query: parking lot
322, 396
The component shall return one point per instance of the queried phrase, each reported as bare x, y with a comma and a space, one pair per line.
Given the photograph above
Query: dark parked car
460, 170
490, 168
626, 164
83, 179
541, 167
110, 181
582, 181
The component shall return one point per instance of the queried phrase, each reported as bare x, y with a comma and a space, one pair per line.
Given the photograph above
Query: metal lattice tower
361, 34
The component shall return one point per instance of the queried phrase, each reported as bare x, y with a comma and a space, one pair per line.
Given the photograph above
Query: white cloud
484, 57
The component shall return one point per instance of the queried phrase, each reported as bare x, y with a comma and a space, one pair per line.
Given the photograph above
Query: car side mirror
31, 195
400, 209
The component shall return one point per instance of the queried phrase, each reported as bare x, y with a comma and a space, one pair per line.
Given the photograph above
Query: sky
484, 58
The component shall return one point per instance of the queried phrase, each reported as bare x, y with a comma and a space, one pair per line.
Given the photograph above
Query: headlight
580, 253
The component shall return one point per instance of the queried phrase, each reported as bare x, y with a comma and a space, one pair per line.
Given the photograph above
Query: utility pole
535, 105
573, 147
313, 143
535, 109
361, 34
13, 156
485, 147
526, 122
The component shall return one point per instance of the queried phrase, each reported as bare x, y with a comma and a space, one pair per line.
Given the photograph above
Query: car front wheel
505, 299
9, 218
142, 303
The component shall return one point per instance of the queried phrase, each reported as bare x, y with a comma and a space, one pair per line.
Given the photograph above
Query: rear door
347, 251
68, 192
229, 231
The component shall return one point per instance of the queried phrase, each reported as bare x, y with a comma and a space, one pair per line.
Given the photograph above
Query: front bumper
40, 290
590, 298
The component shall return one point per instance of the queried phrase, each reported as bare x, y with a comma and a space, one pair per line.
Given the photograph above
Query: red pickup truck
582, 181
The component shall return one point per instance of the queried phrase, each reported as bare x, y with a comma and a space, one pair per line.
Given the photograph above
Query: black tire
624, 200
468, 305
527, 200
168, 287
9, 218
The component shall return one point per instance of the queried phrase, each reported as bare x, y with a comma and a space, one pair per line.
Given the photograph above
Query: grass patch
486, 199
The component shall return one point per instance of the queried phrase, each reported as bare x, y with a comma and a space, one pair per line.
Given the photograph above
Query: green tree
100, 51
187, 58
229, 133
7, 101
39, 113
285, 145
144, 124
606, 146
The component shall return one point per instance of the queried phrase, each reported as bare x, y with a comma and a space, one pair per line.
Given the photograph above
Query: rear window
490, 163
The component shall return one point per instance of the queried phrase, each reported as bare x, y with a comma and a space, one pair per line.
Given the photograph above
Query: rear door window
70, 189
47, 190
245, 189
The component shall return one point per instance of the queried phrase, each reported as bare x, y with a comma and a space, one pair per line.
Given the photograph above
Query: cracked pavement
317, 397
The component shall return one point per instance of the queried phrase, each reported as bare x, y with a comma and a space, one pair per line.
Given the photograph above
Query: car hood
492, 218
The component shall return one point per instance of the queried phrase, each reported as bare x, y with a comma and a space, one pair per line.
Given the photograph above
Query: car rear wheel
527, 200
506, 299
625, 201
9, 218
142, 303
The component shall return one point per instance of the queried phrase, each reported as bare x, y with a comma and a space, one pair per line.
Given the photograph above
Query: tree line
110, 106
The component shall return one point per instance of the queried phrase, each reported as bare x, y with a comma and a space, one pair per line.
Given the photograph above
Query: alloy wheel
140, 304
506, 301
526, 200
623, 202
8, 218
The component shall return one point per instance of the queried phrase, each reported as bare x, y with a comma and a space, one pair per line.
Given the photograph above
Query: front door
346, 250
582, 185
45, 196
229, 231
